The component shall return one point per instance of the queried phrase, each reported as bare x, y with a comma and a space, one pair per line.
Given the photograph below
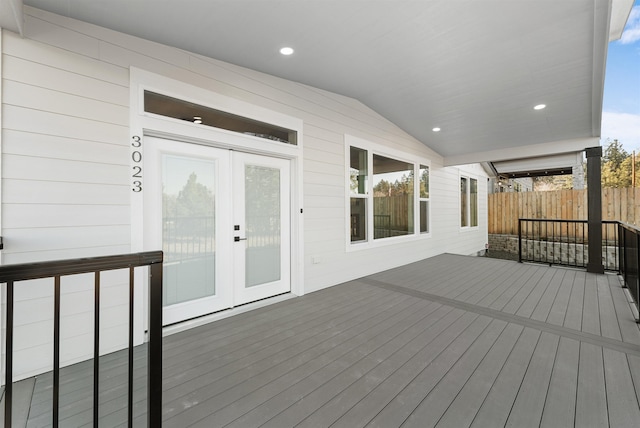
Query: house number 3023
136, 157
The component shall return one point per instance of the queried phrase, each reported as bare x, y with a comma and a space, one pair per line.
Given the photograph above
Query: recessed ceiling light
286, 51
436, 129
539, 106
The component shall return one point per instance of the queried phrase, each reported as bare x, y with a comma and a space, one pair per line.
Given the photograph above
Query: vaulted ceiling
473, 68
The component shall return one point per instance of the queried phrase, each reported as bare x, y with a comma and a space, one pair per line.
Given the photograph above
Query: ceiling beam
522, 152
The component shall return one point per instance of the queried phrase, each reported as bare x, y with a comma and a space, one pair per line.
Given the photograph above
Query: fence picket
506, 208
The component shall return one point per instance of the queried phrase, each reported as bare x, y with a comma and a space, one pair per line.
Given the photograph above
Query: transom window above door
179, 109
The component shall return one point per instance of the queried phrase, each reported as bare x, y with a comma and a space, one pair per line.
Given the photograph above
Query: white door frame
153, 226
144, 124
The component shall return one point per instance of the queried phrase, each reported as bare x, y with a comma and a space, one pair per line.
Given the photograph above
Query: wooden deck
450, 341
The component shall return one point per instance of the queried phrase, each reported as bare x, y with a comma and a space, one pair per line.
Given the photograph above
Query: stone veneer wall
552, 252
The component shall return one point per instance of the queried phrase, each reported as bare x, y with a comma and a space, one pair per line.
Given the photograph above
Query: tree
614, 154
617, 166
552, 182
195, 199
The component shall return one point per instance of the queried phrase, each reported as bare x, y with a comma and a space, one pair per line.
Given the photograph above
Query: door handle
238, 239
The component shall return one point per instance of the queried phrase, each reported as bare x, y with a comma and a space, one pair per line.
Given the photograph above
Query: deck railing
12, 274
629, 245
565, 242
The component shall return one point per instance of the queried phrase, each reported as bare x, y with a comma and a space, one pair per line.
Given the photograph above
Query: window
358, 183
393, 196
474, 202
468, 202
385, 199
424, 199
190, 112
464, 201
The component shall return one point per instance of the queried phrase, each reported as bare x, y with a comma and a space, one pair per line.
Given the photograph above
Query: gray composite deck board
529, 404
591, 402
22, 394
450, 341
560, 405
559, 307
622, 402
465, 406
573, 316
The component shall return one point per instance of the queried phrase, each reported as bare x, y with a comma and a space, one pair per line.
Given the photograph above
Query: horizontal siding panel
76, 63
48, 215
28, 335
322, 137
57, 36
43, 169
110, 286
322, 213
33, 310
317, 177
145, 47
43, 239
41, 122
48, 146
61, 254
38, 98
336, 159
315, 189
36, 74
324, 224
57, 193
328, 169
125, 57
327, 235
329, 202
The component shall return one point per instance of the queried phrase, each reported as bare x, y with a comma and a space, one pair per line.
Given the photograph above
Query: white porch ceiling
474, 68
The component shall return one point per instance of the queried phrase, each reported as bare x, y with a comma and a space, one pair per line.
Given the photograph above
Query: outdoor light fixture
286, 51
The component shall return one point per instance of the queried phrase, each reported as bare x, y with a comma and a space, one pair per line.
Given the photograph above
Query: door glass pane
188, 228
262, 224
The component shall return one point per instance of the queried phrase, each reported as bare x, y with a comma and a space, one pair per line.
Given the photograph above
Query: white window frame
416, 161
468, 177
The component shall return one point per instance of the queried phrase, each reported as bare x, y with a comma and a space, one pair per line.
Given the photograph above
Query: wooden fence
506, 208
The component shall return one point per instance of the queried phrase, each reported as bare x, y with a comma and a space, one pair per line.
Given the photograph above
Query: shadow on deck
450, 341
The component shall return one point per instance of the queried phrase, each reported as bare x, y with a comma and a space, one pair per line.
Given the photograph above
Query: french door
222, 218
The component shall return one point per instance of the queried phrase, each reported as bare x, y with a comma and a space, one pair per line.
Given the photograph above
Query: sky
621, 103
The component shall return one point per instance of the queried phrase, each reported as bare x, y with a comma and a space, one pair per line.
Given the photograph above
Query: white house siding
65, 176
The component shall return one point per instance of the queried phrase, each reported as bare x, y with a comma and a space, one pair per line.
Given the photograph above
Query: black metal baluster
577, 226
553, 242
130, 386
96, 349
56, 351
520, 240
154, 355
8, 383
